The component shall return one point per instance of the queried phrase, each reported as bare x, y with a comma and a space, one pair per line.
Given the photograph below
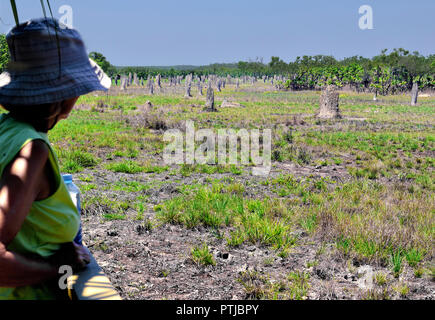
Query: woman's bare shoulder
35, 149
31, 158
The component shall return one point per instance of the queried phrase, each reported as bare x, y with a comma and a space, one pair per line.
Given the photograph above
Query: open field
347, 211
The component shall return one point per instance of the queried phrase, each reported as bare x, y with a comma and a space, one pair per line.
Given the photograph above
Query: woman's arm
22, 181
16, 270
19, 187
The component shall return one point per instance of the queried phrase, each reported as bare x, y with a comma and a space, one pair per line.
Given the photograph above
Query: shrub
201, 255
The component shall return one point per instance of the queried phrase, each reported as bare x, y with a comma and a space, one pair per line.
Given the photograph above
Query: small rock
363, 270
365, 277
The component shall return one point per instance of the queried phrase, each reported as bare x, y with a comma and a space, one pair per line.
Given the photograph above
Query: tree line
386, 73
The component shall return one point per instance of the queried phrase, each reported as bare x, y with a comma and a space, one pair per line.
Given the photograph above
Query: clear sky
198, 32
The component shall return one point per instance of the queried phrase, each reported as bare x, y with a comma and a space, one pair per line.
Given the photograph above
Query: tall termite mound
329, 104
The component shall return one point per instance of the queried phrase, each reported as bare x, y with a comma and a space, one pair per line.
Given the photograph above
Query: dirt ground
156, 264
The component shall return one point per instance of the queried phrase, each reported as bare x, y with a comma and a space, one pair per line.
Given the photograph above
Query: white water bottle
74, 192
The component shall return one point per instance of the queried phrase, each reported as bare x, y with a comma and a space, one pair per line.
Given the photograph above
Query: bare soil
155, 264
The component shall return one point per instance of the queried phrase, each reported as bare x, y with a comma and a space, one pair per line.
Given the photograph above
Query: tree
277, 65
415, 64
381, 79
256, 67
431, 60
101, 60
4, 52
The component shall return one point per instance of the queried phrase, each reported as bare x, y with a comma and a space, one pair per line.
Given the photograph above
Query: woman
49, 71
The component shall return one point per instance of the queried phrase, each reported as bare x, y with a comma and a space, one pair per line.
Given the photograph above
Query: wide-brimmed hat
48, 64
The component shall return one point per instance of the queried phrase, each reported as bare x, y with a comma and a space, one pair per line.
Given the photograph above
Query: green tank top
49, 222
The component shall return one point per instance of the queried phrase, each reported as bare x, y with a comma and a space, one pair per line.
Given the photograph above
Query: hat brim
35, 87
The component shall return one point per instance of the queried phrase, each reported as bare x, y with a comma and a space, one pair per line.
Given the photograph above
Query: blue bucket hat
48, 64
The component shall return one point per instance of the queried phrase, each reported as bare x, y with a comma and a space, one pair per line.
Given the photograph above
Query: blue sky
198, 32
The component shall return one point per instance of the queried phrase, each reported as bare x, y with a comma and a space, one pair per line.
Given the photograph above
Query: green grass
380, 278
396, 260
126, 166
108, 207
155, 169
88, 187
259, 287
402, 289
377, 144
299, 284
187, 170
114, 216
414, 257
73, 161
215, 207
201, 255
355, 215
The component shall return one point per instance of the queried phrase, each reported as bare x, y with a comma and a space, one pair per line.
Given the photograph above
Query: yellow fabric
50, 222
